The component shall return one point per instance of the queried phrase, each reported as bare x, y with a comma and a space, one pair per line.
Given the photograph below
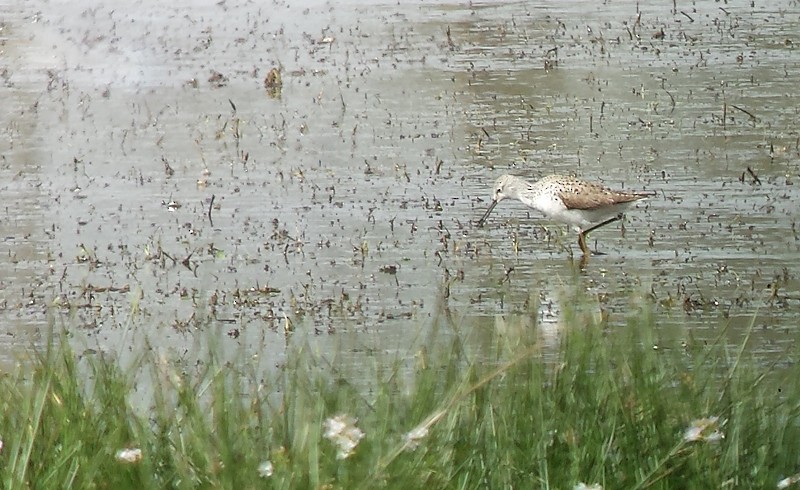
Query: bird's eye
499, 190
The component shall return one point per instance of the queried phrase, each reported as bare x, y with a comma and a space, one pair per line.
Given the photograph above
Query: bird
586, 206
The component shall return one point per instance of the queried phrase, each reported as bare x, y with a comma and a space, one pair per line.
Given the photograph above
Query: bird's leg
582, 235
582, 264
582, 244
600, 225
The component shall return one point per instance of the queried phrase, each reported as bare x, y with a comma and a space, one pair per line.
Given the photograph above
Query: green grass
610, 410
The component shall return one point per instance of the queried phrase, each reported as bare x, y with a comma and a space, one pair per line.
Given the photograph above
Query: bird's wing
587, 196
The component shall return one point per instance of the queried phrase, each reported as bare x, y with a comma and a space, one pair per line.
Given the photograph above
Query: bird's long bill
486, 214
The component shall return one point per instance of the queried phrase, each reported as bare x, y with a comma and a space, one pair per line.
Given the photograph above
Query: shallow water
344, 202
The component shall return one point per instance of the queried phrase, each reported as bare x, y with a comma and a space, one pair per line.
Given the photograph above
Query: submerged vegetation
605, 410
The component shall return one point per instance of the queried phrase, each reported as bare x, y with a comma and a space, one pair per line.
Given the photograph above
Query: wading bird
585, 206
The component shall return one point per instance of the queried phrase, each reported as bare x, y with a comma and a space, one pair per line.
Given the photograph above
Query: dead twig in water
507, 276
724, 114
752, 117
550, 63
756, 180
672, 101
186, 262
210, 207
165, 254
687, 16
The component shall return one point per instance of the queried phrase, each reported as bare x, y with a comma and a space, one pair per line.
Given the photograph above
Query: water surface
344, 203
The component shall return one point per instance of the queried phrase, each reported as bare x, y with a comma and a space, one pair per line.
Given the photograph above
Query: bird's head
506, 186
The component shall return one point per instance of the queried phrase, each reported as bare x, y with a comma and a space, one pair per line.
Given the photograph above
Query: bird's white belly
580, 219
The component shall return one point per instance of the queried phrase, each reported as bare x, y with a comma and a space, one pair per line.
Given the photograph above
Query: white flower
265, 469
129, 455
583, 486
705, 429
415, 436
789, 481
342, 431
1, 445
